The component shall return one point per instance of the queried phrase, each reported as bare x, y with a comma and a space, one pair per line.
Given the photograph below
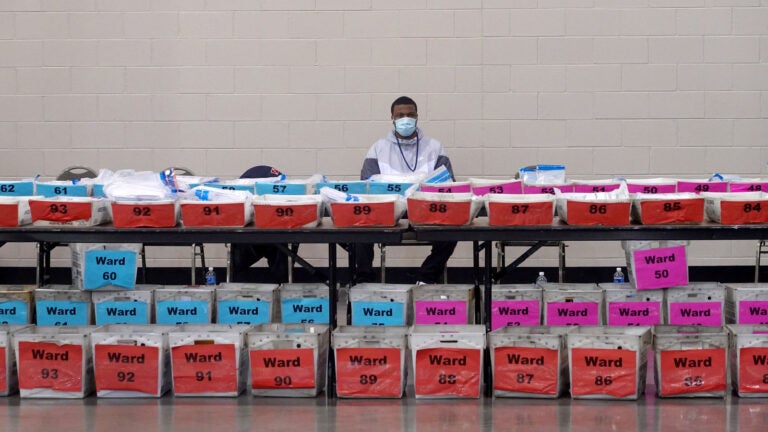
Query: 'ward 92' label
378, 313
127, 368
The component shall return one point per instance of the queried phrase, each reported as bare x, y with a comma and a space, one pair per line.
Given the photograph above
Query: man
245, 255
406, 149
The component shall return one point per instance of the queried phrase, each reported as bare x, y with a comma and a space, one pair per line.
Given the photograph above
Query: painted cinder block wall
641, 88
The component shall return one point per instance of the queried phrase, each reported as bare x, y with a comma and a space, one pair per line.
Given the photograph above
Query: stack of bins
288, 360
608, 362
698, 303
625, 306
691, 361
9, 379
370, 361
443, 304
749, 357
245, 303
515, 305
380, 304
746, 303
208, 359
304, 303
61, 305
16, 304
184, 305
54, 362
131, 360
530, 362
573, 304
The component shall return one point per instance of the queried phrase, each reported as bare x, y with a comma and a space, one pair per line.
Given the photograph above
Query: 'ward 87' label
526, 370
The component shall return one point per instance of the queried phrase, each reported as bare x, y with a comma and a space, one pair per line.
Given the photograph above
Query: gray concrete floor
247, 413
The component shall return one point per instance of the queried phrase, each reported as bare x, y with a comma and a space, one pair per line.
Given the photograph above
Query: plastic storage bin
573, 304
380, 304
54, 362
14, 212
530, 362
691, 361
245, 303
447, 360
9, 379
370, 361
124, 307
288, 360
104, 266
625, 306
511, 210
174, 306
678, 208
482, 187
287, 211
218, 213
304, 303
736, 208
70, 211
16, 303
749, 357
131, 360
699, 303
369, 211
60, 305
599, 208
608, 362
515, 305
746, 303
655, 264
151, 214
208, 359
435, 208
443, 304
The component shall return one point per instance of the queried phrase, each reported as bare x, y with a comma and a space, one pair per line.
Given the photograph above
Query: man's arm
443, 160
370, 167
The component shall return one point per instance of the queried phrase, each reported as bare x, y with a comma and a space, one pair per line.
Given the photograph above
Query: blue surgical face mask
405, 126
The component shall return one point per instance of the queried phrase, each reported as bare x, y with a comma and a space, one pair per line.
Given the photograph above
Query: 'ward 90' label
61, 313
121, 312
283, 368
378, 313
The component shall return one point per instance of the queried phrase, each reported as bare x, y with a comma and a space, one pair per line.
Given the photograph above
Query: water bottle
618, 277
541, 280
210, 277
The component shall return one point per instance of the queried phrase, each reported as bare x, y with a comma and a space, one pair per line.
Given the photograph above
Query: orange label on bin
753, 370
523, 213
204, 368
59, 211
608, 214
693, 371
448, 372
285, 216
283, 368
363, 214
144, 215
526, 370
369, 372
126, 368
9, 215
743, 212
438, 212
213, 214
611, 372
50, 365
672, 211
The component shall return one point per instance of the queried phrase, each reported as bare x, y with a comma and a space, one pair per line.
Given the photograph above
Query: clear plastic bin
447, 360
16, 304
131, 360
698, 303
287, 211
288, 360
304, 303
691, 361
69, 211
54, 362
608, 362
529, 362
9, 379
749, 357
370, 361
573, 304
209, 360
104, 266
14, 211
625, 306
746, 303
184, 306
124, 307
381, 304
443, 304
515, 305
245, 303
437, 208
60, 305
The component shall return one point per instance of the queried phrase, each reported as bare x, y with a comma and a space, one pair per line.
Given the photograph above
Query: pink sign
569, 313
749, 187
652, 188
696, 313
597, 187
660, 268
753, 312
441, 312
634, 313
699, 187
501, 188
462, 188
547, 189
514, 313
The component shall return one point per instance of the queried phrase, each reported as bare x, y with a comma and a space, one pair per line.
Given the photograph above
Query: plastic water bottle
210, 277
541, 280
618, 277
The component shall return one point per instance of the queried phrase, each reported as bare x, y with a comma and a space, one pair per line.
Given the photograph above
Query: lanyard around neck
416, 161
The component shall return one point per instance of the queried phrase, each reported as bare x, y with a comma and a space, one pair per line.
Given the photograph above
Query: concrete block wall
642, 88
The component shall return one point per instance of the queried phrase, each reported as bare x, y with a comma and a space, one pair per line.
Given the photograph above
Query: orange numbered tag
526, 370
438, 212
3, 372
608, 214
448, 372
126, 368
59, 211
283, 368
363, 214
9, 215
611, 372
289, 216
743, 212
674, 211
143, 215
523, 213
693, 371
369, 372
212, 214
753, 370
204, 368
50, 365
